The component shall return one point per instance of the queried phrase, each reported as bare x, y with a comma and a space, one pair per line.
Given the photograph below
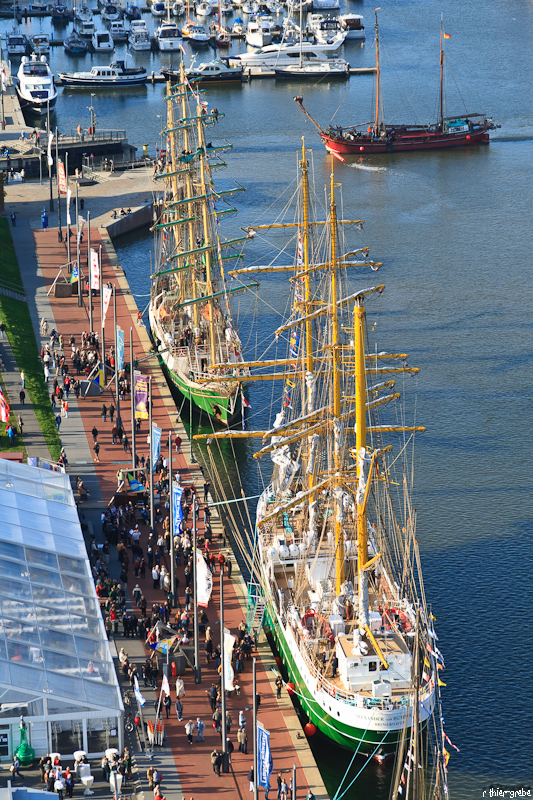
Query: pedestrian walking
279, 686
230, 747
251, 778
95, 434
242, 719
125, 443
20, 423
58, 422
206, 491
22, 396
178, 705
177, 443
189, 730
65, 409
104, 413
96, 448
23, 379
242, 738
2, 329
167, 703
215, 762
200, 728
13, 219
111, 412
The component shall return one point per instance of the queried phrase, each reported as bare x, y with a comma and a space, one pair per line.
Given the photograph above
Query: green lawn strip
16, 316
10, 272
4, 438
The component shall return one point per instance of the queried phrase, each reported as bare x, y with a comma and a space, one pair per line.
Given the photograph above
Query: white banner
69, 195
229, 641
165, 686
204, 581
95, 270
50, 140
107, 297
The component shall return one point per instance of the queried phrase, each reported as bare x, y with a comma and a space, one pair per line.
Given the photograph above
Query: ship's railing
350, 698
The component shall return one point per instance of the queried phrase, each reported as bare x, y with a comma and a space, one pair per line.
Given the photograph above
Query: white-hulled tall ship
190, 313
336, 578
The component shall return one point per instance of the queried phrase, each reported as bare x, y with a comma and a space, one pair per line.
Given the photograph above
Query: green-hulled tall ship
190, 316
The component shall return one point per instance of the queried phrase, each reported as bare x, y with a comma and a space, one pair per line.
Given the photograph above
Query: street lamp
93, 118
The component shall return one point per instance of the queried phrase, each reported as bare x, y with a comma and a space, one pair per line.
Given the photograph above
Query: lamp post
49, 158
93, 116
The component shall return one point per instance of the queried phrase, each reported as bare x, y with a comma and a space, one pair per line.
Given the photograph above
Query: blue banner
155, 441
177, 511
120, 349
264, 758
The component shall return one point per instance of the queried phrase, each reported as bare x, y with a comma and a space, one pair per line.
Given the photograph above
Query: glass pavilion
56, 667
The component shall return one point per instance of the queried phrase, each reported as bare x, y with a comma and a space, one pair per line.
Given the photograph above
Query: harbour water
453, 230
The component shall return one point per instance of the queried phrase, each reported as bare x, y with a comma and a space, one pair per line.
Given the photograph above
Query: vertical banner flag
155, 442
140, 699
229, 641
4, 80
81, 223
74, 273
120, 349
165, 686
177, 511
62, 177
204, 583
264, 757
107, 297
4, 408
69, 195
95, 270
140, 395
50, 140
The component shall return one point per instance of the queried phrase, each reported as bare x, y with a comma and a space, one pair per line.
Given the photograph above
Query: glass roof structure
53, 645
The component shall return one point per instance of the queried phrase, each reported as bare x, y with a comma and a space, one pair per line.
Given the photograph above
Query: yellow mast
207, 237
307, 295
339, 533
189, 188
378, 76
360, 439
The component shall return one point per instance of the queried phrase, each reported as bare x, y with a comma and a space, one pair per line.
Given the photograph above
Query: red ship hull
397, 141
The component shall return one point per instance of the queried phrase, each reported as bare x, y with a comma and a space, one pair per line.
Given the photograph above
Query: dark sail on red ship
458, 131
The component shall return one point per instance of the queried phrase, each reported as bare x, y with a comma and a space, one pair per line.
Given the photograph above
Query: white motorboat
139, 38
112, 76
39, 5
85, 25
178, 8
102, 42
238, 27
35, 85
326, 5
195, 34
259, 31
204, 9
110, 13
326, 29
274, 7
217, 71
311, 69
16, 43
118, 31
353, 25
226, 8
250, 7
83, 13
168, 36
281, 55
40, 44
159, 10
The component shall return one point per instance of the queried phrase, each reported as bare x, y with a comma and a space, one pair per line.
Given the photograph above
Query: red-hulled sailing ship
459, 131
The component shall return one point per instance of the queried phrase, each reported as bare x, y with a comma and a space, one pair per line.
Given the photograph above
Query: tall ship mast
378, 137
335, 568
190, 312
